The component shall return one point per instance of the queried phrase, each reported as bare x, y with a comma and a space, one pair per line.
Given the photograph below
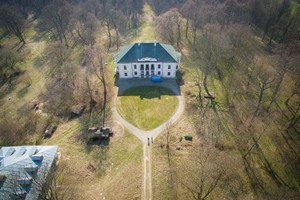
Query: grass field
147, 107
121, 164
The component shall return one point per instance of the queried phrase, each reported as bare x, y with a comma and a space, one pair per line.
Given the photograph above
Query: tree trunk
205, 84
200, 95
187, 29
117, 33
109, 34
262, 89
277, 88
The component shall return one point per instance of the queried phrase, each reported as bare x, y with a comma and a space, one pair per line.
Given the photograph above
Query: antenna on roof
154, 42
139, 42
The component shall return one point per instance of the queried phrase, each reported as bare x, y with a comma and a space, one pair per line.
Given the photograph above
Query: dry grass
234, 185
123, 166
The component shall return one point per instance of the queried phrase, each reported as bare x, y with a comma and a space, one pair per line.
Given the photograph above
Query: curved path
141, 134
144, 135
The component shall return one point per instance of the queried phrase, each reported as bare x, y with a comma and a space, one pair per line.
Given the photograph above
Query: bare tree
264, 78
11, 20
202, 173
287, 59
169, 27
97, 62
9, 59
84, 24
55, 20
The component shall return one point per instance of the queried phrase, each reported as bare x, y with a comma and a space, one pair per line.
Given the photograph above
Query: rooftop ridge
137, 51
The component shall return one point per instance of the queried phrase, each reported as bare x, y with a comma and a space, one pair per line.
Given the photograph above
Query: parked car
156, 79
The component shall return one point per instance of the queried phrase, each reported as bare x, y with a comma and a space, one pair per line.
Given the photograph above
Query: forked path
144, 135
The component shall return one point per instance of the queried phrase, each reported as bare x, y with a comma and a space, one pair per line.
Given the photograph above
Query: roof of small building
19, 164
147, 51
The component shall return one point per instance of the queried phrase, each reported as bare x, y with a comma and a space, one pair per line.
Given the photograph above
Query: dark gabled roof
134, 52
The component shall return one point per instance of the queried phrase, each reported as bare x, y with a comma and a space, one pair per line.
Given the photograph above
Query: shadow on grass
4, 34
96, 142
39, 61
22, 91
148, 92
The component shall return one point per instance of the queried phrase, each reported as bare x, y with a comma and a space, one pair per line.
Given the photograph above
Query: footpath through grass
146, 31
147, 107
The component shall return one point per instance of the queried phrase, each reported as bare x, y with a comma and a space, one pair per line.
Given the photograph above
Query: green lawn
147, 107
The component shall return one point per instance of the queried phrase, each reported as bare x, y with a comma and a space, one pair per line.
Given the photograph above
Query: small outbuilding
188, 137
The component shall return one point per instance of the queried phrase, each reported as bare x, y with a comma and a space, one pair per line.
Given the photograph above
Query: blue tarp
156, 79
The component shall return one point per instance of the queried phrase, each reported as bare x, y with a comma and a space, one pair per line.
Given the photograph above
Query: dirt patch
118, 131
91, 167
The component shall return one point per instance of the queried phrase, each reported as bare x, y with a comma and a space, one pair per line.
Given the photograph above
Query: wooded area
244, 54
240, 66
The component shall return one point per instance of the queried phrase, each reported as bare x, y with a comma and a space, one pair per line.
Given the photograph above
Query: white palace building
147, 59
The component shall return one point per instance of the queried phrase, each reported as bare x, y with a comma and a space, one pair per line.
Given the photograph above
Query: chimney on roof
155, 43
139, 43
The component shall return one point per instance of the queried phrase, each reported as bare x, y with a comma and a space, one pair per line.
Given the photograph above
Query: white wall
125, 70
172, 71
136, 72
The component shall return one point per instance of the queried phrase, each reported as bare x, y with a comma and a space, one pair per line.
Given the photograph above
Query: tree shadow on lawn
21, 93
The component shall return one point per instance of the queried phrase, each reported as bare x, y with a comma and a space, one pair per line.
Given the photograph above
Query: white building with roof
147, 59
22, 167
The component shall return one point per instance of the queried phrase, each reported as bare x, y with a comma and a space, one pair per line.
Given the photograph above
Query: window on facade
176, 66
125, 67
169, 73
158, 66
134, 66
169, 67
152, 66
125, 74
158, 72
135, 73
